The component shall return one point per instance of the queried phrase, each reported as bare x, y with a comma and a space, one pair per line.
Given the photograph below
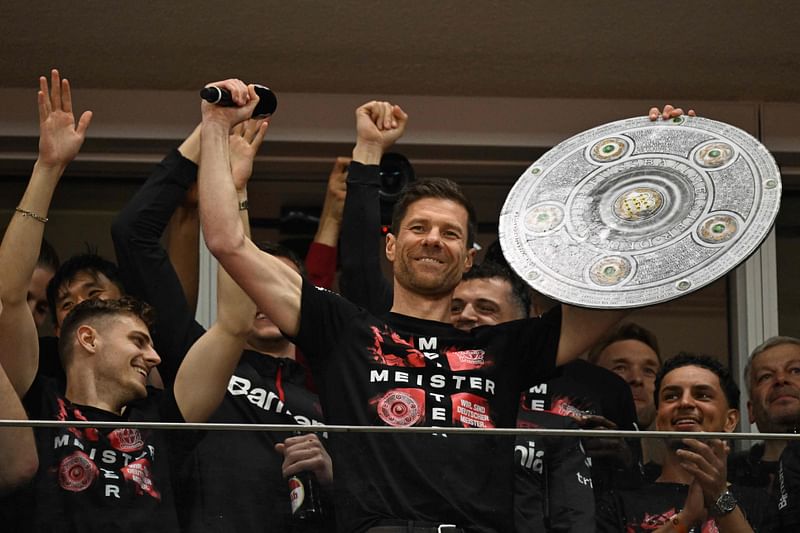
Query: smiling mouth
429, 260
685, 422
142, 371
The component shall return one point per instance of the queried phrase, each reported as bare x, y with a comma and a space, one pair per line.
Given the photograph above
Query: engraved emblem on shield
635, 212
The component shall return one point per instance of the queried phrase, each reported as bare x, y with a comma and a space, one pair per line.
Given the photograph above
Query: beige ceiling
730, 50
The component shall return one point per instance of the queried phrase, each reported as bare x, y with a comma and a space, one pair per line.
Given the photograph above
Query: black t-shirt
231, 471
102, 479
581, 388
653, 504
788, 488
403, 371
553, 483
748, 468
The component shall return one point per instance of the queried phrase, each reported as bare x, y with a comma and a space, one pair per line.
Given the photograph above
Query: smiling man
409, 367
93, 479
694, 393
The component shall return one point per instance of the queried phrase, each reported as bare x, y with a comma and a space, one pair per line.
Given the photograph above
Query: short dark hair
625, 332
519, 291
729, 386
89, 263
442, 188
279, 250
48, 257
95, 309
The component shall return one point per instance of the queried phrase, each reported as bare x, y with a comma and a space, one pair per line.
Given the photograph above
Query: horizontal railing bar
603, 433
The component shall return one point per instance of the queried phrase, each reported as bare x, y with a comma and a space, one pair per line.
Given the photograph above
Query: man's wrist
50, 168
215, 125
724, 504
367, 153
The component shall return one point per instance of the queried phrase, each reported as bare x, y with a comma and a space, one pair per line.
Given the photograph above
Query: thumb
83, 123
280, 448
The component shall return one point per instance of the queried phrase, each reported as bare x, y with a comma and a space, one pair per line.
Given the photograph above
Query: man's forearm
583, 328
222, 227
19, 460
22, 240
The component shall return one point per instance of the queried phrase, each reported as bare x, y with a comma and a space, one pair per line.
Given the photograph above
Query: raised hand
244, 141
306, 453
337, 187
60, 138
378, 126
668, 112
694, 508
707, 462
244, 96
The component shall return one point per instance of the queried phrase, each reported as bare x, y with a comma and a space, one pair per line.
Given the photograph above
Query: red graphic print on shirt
408, 355
466, 359
471, 410
139, 473
76, 472
401, 407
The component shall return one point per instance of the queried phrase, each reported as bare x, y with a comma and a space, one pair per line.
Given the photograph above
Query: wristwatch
724, 504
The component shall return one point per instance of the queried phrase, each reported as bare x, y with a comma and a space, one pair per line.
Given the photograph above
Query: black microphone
267, 103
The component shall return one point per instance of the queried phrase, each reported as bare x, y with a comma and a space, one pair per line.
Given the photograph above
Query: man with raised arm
236, 479
101, 479
407, 368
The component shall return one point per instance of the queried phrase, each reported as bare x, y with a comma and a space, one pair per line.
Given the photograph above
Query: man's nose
635, 376
152, 357
433, 237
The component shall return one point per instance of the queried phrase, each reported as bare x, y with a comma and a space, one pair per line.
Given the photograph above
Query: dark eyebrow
140, 335
92, 282
453, 226
704, 388
671, 388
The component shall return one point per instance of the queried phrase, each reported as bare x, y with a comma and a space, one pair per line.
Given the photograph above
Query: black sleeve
540, 338
529, 487
569, 483
146, 270
324, 315
361, 280
552, 483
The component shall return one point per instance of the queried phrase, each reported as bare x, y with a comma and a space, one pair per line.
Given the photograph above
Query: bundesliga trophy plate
635, 212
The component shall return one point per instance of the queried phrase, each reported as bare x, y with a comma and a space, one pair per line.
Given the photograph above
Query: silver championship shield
636, 212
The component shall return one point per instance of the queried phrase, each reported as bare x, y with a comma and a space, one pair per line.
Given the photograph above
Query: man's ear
750, 414
470, 259
390, 246
731, 420
87, 338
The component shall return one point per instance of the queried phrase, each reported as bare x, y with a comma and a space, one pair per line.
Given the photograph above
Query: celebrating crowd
448, 343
